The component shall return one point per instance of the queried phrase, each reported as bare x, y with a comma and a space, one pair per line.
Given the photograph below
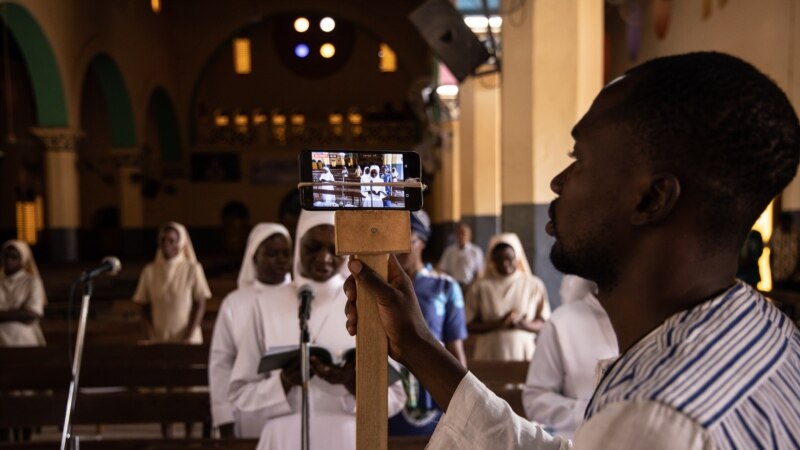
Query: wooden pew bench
504, 378
112, 380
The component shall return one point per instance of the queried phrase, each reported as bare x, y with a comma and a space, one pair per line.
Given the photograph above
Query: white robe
332, 408
327, 176
232, 316
372, 200
21, 290
562, 374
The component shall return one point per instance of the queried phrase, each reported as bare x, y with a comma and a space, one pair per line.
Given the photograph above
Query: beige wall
763, 32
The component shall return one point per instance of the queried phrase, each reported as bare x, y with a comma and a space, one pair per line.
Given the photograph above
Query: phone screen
365, 167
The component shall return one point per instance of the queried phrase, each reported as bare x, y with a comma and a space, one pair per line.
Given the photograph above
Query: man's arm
456, 348
410, 341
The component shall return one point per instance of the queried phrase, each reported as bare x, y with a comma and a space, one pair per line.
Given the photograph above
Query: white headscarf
513, 240
378, 170
26, 257
307, 221
259, 233
327, 176
185, 247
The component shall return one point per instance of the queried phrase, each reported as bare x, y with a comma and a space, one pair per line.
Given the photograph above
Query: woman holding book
266, 264
274, 324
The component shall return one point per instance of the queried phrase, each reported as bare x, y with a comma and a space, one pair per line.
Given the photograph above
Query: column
553, 69
131, 210
443, 204
480, 156
62, 194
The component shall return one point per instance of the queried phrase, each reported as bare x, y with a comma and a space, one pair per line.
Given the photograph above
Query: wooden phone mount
370, 236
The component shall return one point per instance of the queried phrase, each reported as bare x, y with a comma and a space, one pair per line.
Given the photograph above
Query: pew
395, 443
111, 377
504, 378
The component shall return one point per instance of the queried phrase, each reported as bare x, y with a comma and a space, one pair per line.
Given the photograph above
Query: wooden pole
371, 236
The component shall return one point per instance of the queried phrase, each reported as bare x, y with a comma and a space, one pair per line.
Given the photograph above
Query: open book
279, 356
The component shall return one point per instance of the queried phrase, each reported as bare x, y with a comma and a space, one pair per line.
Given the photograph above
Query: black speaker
443, 28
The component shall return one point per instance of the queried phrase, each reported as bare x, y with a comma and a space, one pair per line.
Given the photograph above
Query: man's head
463, 234
420, 233
691, 146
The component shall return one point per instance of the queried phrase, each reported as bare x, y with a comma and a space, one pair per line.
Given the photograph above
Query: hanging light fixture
155, 5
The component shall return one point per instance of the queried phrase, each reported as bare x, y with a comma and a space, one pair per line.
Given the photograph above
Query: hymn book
279, 356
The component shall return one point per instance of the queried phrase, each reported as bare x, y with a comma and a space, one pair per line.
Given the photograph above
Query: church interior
120, 116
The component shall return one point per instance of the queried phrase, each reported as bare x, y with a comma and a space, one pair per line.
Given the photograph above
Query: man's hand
344, 375
398, 308
410, 342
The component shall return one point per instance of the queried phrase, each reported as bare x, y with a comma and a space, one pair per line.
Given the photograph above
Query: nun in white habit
173, 289
508, 305
563, 373
373, 195
327, 176
266, 264
274, 323
22, 297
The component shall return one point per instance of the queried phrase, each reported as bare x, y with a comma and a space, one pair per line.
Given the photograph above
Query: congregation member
442, 305
784, 245
387, 178
273, 323
373, 195
562, 373
328, 199
508, 305
266, 263
22, 297
462, 260
673, 163
173, 289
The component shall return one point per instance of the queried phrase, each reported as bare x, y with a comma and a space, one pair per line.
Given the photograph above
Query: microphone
306, 295
109, 264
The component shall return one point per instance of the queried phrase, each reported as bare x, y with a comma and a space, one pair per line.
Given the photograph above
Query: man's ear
658, 200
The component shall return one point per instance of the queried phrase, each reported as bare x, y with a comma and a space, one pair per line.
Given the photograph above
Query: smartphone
360, 166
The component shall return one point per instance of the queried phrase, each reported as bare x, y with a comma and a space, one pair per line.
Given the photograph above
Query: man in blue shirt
442, 305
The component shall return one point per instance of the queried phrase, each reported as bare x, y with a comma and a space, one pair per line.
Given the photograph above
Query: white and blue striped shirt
731, 365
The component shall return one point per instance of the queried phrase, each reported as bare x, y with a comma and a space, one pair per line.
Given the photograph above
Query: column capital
126, 157
59, 139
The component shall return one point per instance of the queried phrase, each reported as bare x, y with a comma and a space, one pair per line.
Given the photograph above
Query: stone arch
48, 87
162, 110
118, 100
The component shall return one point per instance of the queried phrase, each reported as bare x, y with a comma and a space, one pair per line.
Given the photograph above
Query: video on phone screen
359, 168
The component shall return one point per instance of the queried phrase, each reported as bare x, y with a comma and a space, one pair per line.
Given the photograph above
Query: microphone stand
76, 366
304, 368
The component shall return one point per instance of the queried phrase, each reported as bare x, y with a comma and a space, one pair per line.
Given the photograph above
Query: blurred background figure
462, 260
442, 305
173, 289
508, 305
563, 372
266, 263
22, 297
